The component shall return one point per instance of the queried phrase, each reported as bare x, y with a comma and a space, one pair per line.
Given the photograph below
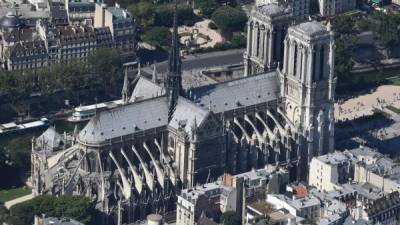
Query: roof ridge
269, 73
193, 104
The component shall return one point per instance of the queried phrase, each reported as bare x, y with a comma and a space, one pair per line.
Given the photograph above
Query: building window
295, 60
313, 66
321, 63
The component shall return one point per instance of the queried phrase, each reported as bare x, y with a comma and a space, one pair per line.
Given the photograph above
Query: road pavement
18, 200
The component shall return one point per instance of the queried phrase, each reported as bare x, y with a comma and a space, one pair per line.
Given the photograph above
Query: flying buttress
147, 174
271, 134
164, 157
159, 170
281, 130
126, 190
259, 136
292, 126
242, 129
136, 177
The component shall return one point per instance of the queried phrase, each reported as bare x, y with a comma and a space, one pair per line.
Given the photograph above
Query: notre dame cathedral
133, 159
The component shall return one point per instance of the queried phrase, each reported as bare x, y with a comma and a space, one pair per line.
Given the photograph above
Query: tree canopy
101, 70
144, 13
207, 7
158, 36
165, 15
14, 160
75, 207
229, 19
345, 39
386, 27
3, 214
230, 218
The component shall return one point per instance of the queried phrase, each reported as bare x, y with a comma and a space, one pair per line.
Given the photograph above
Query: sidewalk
18, 200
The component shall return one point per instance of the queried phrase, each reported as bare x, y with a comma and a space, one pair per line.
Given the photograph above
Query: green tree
230, 218
238, 40
229, 19
105, 64
386, 27
4, 214
158, 36
16, 84
19, 150
343, 25
75, 207
207, 7
345, 39
165, 15
143, 12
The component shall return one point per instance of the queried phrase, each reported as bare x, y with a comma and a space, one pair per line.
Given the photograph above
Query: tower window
313, 66
301, 65
295, 60
321, 63
258, 42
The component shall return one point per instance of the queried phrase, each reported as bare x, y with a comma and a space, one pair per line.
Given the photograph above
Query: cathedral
133, 159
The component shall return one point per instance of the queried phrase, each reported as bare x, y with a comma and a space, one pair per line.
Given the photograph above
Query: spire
174, 58
125, 88
174, 79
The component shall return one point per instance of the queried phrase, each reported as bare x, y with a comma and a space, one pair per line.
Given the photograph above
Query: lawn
9, 194
394, 81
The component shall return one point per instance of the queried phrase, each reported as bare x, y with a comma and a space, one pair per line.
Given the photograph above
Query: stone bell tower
307, 86
266, 31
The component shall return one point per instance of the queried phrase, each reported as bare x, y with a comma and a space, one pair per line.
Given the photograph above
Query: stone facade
266, 30
308, 85
27, 46
121, 24
134, 158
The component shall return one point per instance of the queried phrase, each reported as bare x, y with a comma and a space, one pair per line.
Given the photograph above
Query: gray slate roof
146, 89
50, 139
187, 115
311, 28
125, 120
153, 111
237, 93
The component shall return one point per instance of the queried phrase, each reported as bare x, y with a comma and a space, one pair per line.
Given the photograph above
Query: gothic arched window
313, 66
171, 142
321, 62
295, 60
258, 41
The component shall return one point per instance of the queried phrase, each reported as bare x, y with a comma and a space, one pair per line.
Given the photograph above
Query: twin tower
303, 56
